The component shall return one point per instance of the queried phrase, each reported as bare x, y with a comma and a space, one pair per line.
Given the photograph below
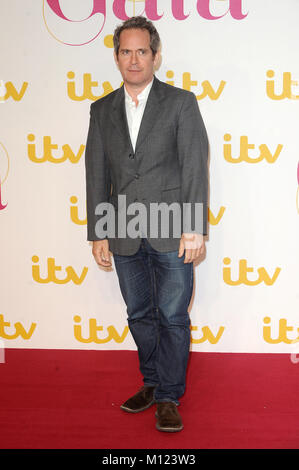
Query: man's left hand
193, 244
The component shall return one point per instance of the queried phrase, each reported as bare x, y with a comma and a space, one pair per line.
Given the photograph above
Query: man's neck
134, 90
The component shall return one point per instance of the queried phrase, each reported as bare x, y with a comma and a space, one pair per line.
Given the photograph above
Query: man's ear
157, 59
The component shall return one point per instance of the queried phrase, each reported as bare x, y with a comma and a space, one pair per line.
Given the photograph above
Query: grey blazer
169, 163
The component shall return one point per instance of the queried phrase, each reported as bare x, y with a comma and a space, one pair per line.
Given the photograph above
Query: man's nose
134, 58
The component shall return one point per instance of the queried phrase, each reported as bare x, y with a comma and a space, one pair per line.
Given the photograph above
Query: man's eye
124, 52
141, 51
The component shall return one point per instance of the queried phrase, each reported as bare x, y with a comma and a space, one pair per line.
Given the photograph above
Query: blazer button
131, 155
136, 176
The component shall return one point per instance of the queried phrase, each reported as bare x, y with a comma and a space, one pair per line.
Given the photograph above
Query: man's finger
188, 256
193, 254
101, 258
106, 257
181, 249
202, 249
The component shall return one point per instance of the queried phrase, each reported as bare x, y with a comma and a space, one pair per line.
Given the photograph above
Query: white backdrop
241, 60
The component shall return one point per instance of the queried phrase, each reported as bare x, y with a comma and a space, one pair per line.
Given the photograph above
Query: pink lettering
178, 10
235, 8
151, 10
119, 9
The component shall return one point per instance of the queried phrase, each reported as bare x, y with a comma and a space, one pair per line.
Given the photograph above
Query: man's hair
138, 22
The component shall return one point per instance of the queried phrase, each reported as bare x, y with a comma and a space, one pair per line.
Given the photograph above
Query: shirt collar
143, 95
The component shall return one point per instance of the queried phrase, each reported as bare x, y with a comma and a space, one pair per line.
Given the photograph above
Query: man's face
135, 58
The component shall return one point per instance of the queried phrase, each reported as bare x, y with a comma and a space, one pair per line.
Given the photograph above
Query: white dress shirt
135, 113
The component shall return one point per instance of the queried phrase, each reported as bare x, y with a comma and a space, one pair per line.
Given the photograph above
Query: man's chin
135, 81
135, 77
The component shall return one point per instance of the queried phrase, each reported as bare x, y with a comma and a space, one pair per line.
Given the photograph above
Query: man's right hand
101, 253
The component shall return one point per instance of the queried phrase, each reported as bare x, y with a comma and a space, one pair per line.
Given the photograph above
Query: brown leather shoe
142, 400
168, 417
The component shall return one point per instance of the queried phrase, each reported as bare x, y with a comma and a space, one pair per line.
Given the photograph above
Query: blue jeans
157, 288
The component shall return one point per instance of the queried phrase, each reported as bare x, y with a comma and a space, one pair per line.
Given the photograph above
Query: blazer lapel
151, 110
119, 116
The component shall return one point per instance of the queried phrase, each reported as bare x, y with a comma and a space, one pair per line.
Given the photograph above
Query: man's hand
101, 253
193, 244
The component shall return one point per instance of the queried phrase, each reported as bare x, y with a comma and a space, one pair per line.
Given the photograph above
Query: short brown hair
138, 22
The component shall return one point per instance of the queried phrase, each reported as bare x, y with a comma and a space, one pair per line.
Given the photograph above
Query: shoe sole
160, 428
129, 410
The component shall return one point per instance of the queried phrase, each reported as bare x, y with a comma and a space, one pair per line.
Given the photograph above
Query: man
147, 142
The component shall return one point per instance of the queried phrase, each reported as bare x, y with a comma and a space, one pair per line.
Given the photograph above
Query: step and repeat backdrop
240, 58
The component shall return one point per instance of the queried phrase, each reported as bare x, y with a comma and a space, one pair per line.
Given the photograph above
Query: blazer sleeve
98, 180
193, 148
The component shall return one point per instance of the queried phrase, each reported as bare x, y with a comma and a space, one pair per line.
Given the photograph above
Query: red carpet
67, 399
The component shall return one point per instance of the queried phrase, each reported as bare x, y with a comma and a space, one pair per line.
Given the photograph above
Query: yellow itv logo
263, 275
264, 151
8, 90
19, 329
283, 330
60, 155
52, 268
286, 88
